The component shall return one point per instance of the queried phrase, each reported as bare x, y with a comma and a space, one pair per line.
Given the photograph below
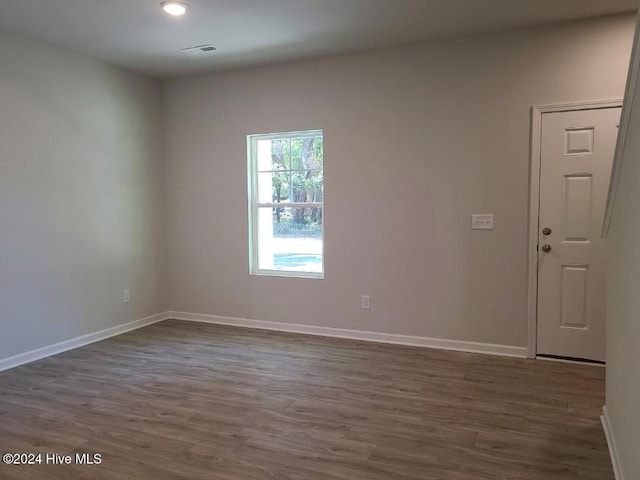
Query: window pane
307, 186
274, 154
285, 169
290, 239
306, 153
274, 187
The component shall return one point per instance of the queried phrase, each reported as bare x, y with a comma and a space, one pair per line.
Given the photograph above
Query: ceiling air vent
199, 49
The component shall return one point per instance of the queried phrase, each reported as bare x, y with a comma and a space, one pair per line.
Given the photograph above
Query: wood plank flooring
180, 400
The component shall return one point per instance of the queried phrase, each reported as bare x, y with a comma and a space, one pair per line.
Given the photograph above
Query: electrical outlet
366, 302
126, 296
482, 221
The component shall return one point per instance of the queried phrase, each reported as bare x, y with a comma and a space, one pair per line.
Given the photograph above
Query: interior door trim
534, 205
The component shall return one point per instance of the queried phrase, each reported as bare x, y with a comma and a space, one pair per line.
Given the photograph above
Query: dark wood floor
181, 400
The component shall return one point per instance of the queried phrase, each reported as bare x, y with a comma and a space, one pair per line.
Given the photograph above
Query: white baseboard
474, 347
613, 451
37, 354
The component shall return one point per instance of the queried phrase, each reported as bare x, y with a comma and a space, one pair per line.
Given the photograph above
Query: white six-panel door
577, 150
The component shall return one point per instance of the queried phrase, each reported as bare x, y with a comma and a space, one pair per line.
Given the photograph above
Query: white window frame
254, 205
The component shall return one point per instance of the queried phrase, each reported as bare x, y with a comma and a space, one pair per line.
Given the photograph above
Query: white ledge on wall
611, 442
427, 342
378, 337
49, 350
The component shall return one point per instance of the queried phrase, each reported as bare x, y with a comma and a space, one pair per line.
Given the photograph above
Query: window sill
285, 274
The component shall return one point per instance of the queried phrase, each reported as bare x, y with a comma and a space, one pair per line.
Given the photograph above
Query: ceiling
138, 35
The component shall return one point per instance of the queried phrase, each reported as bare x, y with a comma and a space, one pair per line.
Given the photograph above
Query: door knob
546, 231
546, 248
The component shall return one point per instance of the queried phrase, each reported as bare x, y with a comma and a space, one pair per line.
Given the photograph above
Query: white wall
416, 140
81, 196
623, 305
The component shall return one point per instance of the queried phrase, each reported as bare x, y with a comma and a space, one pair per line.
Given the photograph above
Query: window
286, 194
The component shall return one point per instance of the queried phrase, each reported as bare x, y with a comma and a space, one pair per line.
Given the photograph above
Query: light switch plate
482, 221
366, 302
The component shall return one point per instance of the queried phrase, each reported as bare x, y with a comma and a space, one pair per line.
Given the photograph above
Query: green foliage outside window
297, 178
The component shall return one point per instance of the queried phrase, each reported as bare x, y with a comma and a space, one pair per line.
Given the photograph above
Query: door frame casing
534, 204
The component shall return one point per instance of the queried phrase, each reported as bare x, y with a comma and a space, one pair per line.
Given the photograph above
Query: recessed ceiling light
175, 8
